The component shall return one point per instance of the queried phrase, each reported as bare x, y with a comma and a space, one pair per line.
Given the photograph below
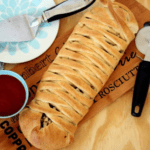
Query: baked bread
82, 67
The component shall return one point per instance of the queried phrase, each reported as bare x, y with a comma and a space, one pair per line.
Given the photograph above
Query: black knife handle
141, 88
65, 9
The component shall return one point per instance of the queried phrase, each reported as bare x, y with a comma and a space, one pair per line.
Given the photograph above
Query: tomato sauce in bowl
13, 94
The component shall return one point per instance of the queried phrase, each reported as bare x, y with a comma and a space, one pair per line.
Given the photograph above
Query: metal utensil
24, 27
142, 42
1, 66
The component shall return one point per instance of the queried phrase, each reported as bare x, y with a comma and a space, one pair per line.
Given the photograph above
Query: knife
24, 27
142, 42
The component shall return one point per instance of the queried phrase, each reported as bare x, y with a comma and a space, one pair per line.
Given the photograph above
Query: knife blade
24, 27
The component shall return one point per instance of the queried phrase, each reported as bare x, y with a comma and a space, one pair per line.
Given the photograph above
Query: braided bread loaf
80, 70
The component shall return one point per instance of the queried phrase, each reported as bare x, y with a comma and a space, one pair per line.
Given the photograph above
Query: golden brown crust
80, 70
48, 136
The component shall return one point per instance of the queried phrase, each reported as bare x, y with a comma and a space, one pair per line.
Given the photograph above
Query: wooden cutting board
121, 81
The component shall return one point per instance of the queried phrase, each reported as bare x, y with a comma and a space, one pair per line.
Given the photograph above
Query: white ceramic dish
26, 51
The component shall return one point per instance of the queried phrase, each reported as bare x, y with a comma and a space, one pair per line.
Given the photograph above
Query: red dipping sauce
12, 95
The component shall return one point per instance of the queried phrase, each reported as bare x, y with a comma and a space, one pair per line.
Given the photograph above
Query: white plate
26, 51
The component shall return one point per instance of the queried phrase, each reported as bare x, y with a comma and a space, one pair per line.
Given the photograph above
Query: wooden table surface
113, 128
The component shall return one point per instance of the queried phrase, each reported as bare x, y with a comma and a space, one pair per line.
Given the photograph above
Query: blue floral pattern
10, 8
